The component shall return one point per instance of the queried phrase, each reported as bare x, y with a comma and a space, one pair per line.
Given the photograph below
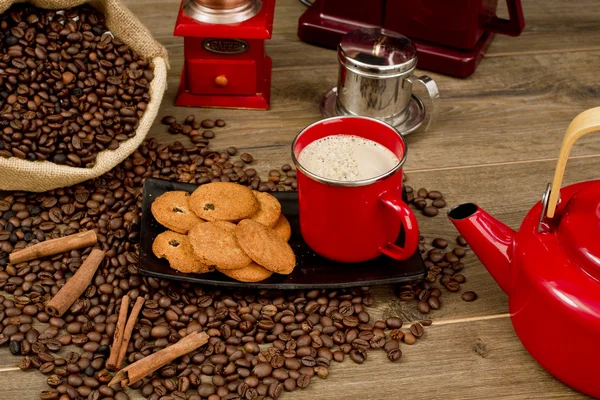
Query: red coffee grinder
225, 62
451, 36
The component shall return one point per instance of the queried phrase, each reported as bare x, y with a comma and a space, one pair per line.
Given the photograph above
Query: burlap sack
39, 176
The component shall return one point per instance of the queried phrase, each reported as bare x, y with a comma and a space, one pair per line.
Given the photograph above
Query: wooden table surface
495, 143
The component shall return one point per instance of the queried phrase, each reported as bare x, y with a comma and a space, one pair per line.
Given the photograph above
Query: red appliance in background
225, 62
451, 36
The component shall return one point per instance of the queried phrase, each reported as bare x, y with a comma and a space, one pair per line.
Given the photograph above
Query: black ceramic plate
312, 270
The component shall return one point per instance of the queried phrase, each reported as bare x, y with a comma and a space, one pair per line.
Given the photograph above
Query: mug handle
411, 228
434, 95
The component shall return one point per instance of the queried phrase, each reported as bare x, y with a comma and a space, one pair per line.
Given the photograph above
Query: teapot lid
377, 52
579, 228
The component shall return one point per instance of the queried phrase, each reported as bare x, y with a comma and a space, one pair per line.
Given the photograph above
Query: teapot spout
491, 240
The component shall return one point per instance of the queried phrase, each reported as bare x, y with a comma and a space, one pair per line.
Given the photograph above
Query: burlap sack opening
40, 176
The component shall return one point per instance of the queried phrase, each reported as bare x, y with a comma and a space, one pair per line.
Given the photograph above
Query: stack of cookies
225, 226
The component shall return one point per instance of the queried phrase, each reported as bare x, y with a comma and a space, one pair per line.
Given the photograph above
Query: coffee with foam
347, 158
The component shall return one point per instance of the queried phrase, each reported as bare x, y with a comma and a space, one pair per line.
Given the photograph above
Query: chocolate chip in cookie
223, 201
176, 249
172, 210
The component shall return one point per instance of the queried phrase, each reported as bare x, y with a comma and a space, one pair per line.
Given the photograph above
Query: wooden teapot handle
586, 122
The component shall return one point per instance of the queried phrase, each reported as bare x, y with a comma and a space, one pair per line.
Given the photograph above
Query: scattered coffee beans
215, 166
443, 263
68, 88
304, 331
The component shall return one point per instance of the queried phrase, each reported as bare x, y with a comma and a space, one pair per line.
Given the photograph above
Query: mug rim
363, 182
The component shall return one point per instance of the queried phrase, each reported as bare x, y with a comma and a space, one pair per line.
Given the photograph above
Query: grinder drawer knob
221, 81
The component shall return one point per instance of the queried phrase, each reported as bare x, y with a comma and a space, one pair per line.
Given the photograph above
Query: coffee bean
208, 134
47, 367
160, 331
247, 158
469, 296
440, 243
358, 356
452, 285
433, 302
394, 355
420, 203
461, 241
417, 330
393, 323
451, 258
434, 195
51, 394
338, 356
430, 211
322, 371
423, 306
231, 151
290, 384
409, 338
275, 390
459, 252
439, 203
14, 347
208, 124
206, 389
262, 370
396, 334
422, 192
458, 266
220, 123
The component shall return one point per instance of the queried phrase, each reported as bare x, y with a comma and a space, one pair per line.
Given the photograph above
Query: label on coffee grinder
225, 46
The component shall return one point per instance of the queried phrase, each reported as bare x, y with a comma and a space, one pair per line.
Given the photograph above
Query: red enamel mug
357, 220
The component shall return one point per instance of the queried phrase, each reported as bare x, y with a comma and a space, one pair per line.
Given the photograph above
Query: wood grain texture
552, 26
495, 144
478, 360
509, 113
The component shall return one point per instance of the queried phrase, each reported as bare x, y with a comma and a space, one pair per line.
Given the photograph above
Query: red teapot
550, 269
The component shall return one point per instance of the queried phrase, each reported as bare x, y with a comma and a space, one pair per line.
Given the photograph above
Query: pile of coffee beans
428, 202
444, 268
262, 343
205, 165
68, 88
442, 259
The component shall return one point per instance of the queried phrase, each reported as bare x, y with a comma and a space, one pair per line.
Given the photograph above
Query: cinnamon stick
76, 285
54, 246
111, 363
137, 307
147, 365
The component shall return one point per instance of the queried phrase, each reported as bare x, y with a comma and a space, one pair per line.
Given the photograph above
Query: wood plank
511, 113
475, 360
551, 26
532, 104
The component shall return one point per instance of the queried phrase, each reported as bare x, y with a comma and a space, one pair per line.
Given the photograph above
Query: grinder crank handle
411, 229
513, 26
